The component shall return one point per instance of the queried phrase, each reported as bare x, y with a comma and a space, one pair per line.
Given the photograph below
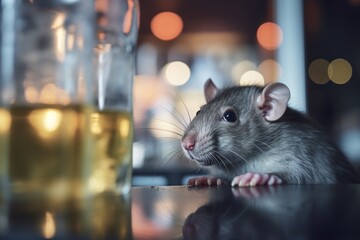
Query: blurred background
312, 45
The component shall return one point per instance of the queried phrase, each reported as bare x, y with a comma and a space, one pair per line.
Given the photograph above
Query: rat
249, 136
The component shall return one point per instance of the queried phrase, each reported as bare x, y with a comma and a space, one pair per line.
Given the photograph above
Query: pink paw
255, 179
205, 181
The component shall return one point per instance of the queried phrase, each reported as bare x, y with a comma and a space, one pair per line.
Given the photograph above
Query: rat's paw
255, 179
205, 181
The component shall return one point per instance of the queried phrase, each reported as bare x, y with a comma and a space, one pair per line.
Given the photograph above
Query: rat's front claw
274, 180
205, 181
255, 179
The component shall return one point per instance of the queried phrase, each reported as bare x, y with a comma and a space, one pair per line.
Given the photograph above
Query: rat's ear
210, 90
273, 101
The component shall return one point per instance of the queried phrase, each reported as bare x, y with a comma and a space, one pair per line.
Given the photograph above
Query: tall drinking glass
47, 60
116, 36
4, 113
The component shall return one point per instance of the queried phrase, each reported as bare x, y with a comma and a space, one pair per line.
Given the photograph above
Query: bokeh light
269, 36
31, 94
251, 78
166, 25
318, 71
176, 73
271, 70
49, 226
240, 68
46, 123
340, 71
5, 121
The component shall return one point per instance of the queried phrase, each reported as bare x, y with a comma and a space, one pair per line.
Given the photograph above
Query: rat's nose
188, 143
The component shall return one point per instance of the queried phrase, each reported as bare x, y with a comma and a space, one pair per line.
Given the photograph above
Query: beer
50, 149
113, 151
5, 120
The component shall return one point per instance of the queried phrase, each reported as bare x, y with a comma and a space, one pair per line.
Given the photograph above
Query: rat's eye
197, 112
229, 116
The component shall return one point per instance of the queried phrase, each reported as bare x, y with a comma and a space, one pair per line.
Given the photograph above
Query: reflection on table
104, 216
280, 212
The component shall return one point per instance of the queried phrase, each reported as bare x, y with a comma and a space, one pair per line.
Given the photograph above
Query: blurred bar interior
311, 45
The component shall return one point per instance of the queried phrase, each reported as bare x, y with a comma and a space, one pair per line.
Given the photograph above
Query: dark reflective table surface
280, 212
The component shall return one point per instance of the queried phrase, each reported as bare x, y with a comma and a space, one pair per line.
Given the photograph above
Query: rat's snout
188, 142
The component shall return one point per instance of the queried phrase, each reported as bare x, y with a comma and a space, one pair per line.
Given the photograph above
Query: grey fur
292, 148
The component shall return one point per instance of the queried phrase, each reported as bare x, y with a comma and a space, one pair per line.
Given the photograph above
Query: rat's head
229, 128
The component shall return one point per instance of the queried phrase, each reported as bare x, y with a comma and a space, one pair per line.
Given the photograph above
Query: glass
4, 123
46, 61
112, 123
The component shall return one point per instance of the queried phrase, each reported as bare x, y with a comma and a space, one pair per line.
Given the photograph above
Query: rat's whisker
181, 120
222, 157
165, 139
163, 130
238, 155
213, 158
180, 128
170, 156
259, 148
265, 144
183, 103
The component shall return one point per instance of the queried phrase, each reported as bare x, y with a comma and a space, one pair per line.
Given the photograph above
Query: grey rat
248, 135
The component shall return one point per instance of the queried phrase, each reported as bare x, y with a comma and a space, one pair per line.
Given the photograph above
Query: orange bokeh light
269, 35
166, 25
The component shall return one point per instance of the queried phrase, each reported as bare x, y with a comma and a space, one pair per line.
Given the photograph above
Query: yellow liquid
113, 151
50, 149
5, 120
